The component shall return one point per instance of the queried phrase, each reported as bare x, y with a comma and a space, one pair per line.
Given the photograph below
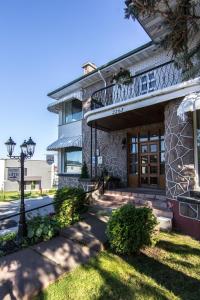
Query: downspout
100, 74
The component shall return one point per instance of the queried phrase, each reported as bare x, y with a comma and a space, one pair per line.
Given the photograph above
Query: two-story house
135, 131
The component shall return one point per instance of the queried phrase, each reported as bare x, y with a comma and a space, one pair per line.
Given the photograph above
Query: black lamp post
27, 151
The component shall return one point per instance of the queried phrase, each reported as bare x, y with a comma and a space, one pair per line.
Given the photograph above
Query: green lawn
9, 196
171, 270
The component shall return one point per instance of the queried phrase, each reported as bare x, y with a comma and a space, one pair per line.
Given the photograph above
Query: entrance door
146, 158
149, 164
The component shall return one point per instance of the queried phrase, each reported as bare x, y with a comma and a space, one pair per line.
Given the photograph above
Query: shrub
7, 243
129, 229
41, 228
69, 203
84, 171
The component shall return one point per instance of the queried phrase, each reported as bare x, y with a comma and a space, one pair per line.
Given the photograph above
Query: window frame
147, 82
64, 163
70, 108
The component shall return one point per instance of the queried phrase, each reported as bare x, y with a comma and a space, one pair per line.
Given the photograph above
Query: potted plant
122, 77
84, 171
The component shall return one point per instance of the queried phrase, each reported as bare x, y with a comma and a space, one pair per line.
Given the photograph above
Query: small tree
181, 19
84, 171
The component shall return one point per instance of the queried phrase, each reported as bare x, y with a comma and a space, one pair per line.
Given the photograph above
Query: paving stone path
24, 273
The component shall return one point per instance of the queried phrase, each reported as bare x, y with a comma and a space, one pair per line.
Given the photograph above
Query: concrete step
122, 200
128, 195
164, 215
165, 224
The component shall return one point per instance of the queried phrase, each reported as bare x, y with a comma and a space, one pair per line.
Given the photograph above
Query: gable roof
93, 76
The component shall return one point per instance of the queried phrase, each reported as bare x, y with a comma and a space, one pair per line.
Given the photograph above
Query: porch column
179, 152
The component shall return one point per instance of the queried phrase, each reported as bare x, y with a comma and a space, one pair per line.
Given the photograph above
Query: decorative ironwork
150, 80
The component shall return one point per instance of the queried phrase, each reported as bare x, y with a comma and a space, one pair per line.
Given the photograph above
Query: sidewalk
24, 273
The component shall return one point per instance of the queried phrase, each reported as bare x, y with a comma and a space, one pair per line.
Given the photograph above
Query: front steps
114, 199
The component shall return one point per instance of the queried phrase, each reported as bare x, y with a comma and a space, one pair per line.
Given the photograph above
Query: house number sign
117, 111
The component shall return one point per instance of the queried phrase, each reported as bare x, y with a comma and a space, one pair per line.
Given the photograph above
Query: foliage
9, 196
181, 20
41, 228
7, 237
169, 271
69, 203
33, 185
122, 77
7, 243
129, 229
84, 171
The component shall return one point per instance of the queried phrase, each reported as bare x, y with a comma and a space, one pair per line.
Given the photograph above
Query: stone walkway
24, 273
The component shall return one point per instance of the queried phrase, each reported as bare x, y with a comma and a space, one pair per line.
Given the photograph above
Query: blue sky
43, 46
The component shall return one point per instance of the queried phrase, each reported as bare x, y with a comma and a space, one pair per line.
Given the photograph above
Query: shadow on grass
115, 285
180, 249
183, 286
116, 289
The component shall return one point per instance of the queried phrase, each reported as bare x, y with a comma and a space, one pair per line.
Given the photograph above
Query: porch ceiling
142, 116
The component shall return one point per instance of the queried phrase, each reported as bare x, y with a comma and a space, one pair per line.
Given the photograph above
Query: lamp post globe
24, 147
30, 147
10, 144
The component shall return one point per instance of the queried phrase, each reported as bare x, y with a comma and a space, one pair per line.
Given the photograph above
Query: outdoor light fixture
124, 141
10, 144
24, 147
27, 151
30, 146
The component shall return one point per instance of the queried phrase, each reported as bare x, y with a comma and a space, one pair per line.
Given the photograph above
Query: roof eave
138, 49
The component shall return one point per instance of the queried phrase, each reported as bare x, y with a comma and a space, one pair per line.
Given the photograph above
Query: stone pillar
179, 151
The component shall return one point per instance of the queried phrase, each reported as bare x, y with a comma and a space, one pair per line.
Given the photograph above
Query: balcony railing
150, 80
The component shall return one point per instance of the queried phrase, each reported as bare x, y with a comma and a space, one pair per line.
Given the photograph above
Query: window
152, 81
148, 83
144, 84
134, 155
189, 210
72, 161
72, 111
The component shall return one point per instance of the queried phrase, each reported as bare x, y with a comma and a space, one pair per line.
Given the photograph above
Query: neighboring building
38, 175
133, 131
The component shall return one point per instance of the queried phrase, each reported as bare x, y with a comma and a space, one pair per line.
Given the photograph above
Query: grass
171, 270
10, 196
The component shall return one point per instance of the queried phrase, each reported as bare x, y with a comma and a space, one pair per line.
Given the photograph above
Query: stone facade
179, 151
110, 148
75, 181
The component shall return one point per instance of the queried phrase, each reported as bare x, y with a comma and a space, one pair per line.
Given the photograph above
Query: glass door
149, 163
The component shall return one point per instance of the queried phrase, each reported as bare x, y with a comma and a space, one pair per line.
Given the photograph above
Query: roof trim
136, 50
127, 2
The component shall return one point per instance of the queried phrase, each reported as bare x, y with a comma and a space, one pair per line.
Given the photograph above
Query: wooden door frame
149, 164
135, 179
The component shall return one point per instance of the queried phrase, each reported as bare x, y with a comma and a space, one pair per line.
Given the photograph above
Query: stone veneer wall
75, 181
179, 151
109, 145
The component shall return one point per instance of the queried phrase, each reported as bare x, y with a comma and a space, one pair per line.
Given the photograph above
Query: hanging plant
122, 77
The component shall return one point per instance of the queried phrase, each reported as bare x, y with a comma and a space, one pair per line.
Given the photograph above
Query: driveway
12, 207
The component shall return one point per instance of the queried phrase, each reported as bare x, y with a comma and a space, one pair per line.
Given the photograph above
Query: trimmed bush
84, 171
70, 202
130, 229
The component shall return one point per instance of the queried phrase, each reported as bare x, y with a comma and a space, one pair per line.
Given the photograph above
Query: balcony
150, 80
